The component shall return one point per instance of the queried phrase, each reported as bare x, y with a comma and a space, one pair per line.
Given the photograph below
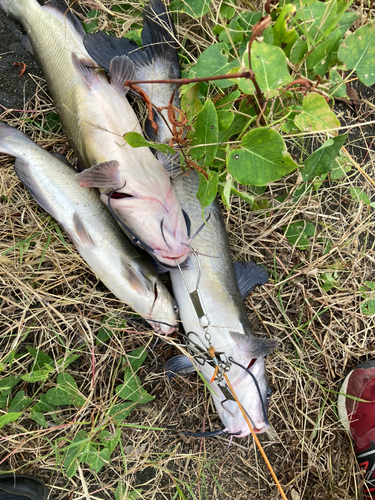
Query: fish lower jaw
245, 431
162, 329
170, 260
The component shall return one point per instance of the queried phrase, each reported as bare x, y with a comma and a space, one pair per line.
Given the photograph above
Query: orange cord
256, 439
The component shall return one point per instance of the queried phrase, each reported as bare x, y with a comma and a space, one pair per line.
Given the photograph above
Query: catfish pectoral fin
103, 175
121, 70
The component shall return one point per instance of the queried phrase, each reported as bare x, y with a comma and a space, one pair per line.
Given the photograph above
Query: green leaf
8, 359
3, 401
19, 402
38, 375
328, 281
269, 65
357, 51
189, 100
7, 384
227, 10
134, 35
136, 358
338, 88
298, 233
136, 140
262, 158
65, 362
8, 417
43, 405
131, 495
53, 122
66, 392
132, 389
109, 440
316, 115
212, 62
244, 196
319, 59
282, 36
75, 451
347, 19
41, 358
224, 115
207, 189
121, 411
95, 458
195, 8
110, 324
226, 190
341, 167
368, 306
38, 417
358, 194
206, 134
321, 161
91, 26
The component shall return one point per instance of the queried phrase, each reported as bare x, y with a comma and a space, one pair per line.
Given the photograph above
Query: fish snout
163, 329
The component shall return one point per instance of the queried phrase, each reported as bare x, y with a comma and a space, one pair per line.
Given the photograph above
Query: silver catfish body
116, 262
95, 116
229, 328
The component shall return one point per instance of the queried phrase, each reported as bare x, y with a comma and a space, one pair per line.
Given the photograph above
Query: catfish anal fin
249, 276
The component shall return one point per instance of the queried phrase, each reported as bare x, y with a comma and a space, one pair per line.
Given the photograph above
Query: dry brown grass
50, 299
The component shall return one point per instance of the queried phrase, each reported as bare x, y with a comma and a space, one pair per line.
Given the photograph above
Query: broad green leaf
109, 440
66, 392
132, 389
318, 19
136, 140
298, 51
195, 8
7, 384
321, 161
233, 34
347, 19
93, 24
38, 375
358, 194
357, 51
212, 62
318, 60
368, 306
136, 358
316, 115
298, 233
38, 417
206, 134
269, 65
244, 196
224, 115
227, 9
262, 158
329, 280
3, 401
207, 189
190, 102
226, 191
121, 411
43, 405
19, 402
8, 418
235, 128
131, 495
135, 35
75, 451
95, 458
53, 122
65, 362
341, 167
338, 88
110, 324
282, 36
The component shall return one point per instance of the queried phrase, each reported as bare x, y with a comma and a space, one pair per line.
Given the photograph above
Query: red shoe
358, 419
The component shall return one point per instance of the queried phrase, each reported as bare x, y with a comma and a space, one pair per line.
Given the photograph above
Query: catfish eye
175, 307
269, 394
136, 241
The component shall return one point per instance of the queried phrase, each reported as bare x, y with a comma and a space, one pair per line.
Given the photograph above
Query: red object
359, 419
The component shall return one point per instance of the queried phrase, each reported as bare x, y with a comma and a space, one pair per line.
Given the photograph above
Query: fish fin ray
254, 347
103, 48
121, 69
85, 68
103, 175
178, 364
67, 13
249, 275
81, 232
171, 163
138, 281
158, 38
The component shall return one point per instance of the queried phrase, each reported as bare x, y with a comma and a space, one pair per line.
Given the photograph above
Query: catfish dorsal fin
81, 231
85, 68
254, 347
121, 69
249, 276
105, 175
